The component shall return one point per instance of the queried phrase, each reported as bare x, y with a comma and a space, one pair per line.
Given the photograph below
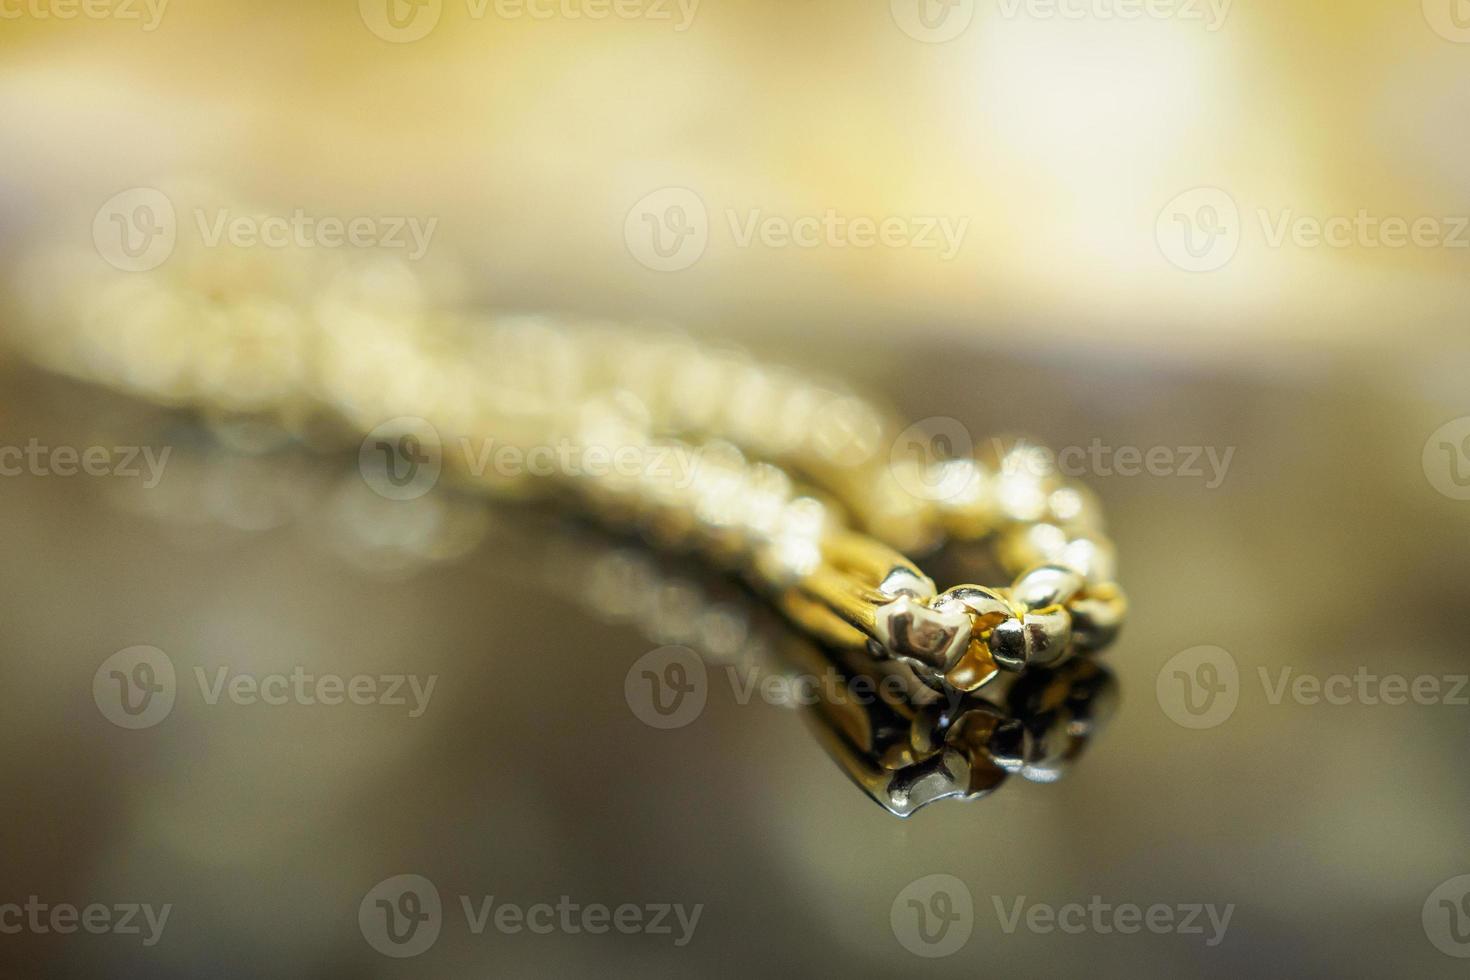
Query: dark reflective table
361, 766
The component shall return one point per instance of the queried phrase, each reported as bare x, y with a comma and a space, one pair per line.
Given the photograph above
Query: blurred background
1233, 227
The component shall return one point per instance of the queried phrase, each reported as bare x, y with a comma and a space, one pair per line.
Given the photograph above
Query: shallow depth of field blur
1241, 225
1060, 141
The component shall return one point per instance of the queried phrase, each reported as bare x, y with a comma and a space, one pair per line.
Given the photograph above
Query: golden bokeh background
1063, 146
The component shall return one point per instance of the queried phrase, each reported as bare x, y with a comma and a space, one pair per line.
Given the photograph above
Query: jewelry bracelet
793, 482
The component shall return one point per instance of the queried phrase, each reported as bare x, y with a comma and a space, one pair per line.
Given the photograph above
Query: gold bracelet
791, 481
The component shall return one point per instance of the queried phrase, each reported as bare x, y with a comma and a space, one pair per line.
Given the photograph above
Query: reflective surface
1213, 253
1260, 819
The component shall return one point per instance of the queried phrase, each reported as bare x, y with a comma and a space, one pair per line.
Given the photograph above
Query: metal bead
932, 638
1037, 639
905, 581
1098, 616
1049, 585
1008, 645
1048, 637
